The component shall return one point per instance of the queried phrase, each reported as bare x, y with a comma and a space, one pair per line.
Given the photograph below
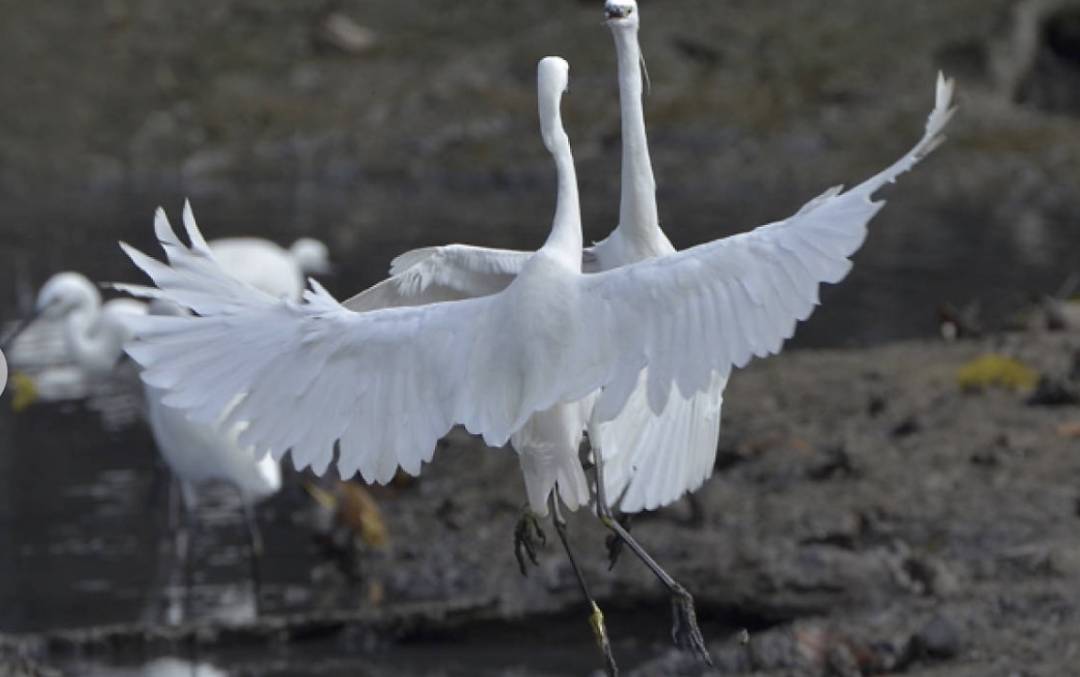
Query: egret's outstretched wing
651, 460
386, 383
707, 308
448, 273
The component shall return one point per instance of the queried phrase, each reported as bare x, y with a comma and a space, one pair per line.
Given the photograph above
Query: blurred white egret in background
40, 358
196, 453
388, 383
72, 346
265, 265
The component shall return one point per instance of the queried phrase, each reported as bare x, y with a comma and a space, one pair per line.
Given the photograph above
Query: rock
1052, 392
341, 32
837, 463
935, 576
939, 639
21, 666
876, 405
909, 426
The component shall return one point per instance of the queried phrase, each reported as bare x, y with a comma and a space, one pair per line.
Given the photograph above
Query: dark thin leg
596, 617
697, 512
175, 501
614, 543
191, 524
685, 631
156, 482
167, 545
255, 545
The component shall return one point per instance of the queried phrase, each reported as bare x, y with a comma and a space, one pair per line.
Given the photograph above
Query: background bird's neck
637, 205
565, 240
93, 344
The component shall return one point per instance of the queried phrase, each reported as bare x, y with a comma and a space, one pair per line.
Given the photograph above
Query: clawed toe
527, 534
685, 631
614, 549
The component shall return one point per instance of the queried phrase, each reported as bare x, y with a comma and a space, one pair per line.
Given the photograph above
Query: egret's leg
191, 524
175, 505
527, 534
614, 543
685, 631
596, 617
171, 548
156, 482
256, 547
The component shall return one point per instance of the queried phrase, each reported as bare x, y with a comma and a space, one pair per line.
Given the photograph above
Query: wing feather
434, 274
386, 383
754, 285
651, 461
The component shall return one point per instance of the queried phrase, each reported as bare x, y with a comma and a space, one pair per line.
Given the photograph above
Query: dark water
86, 543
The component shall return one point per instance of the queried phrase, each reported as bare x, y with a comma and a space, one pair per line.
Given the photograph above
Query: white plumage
668, 453
388, 383
40, 350
268, 266
94, 334
198, 452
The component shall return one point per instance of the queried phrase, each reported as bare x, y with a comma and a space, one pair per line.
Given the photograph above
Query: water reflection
85, 515
163, 667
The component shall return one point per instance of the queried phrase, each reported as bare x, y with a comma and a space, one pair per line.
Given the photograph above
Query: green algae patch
996, 371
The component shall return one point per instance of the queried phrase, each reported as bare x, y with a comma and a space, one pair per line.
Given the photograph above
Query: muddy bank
866, 516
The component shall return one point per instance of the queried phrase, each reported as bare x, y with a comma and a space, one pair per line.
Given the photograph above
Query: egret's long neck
637, 204
565, 240
94, 345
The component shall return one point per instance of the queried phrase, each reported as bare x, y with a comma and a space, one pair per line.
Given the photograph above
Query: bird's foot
615, 542
685, 631
596, 620
527, 534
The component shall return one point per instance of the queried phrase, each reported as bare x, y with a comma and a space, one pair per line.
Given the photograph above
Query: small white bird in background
196, 453
386, 384
39, 354
265, 265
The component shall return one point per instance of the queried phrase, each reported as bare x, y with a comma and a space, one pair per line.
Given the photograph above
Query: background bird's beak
24, 391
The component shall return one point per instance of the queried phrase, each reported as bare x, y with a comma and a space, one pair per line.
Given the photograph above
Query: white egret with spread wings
383, 385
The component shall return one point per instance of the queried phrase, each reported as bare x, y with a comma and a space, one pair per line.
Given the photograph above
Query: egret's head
66, 293
312, 256
621, 13
552, 79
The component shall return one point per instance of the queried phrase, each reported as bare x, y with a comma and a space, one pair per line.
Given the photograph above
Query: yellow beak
24, 391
